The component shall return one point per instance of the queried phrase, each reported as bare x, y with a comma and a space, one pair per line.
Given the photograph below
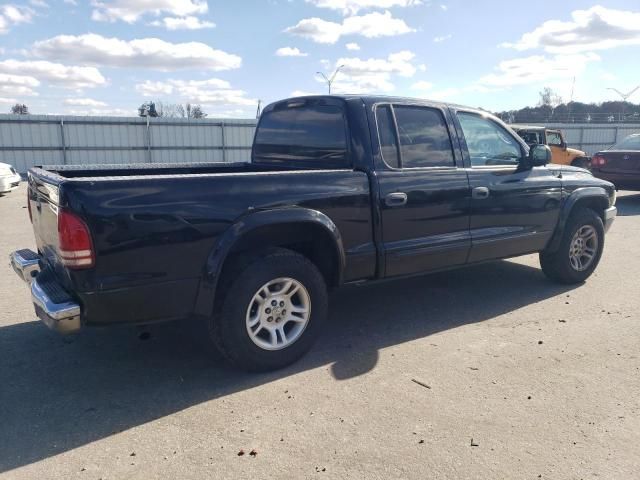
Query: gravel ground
485, 373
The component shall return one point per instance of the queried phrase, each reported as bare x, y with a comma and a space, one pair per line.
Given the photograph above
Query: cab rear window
304, 134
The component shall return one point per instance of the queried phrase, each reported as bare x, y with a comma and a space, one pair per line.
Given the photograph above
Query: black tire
557, 265
581, 162
228, 329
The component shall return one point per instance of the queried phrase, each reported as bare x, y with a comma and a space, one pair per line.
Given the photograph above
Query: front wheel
580, 249
272, 312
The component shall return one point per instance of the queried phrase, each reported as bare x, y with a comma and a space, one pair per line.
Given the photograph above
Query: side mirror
539, 155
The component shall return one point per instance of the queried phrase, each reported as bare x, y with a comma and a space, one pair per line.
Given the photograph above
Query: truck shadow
60, 393
628, 205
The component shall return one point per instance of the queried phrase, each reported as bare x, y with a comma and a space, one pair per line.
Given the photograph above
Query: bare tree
20, 109
171, 110
195, 111
549, 98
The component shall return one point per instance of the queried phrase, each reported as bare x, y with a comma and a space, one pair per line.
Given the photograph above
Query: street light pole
624, 96
329, 80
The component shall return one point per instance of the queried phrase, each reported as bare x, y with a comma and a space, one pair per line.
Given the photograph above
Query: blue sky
106, 57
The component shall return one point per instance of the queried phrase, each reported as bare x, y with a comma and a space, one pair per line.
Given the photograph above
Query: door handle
480, 193
397, 199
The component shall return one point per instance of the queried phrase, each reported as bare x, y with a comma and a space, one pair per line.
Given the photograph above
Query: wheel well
308, 239
597, 204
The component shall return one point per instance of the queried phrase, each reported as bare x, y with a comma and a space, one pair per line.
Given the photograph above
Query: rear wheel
580, 249
272, 311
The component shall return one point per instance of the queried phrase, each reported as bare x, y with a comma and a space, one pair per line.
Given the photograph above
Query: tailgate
44, 202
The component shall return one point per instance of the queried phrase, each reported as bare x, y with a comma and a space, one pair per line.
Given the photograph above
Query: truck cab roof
370, 100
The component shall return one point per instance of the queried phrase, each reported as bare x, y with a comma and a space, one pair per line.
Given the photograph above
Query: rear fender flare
248, 223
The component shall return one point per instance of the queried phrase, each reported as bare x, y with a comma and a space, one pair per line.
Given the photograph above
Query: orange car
560, 153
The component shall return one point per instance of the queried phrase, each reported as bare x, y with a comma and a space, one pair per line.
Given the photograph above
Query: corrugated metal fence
31, 140
594, 137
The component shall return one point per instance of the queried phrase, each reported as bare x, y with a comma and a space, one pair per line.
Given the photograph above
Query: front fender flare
577, 196
248, 223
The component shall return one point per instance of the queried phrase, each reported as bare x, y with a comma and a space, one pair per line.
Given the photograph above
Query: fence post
615, 140
224, 143
582, 139
63, 143
148, 140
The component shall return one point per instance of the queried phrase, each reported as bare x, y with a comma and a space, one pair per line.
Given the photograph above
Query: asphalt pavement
488, 372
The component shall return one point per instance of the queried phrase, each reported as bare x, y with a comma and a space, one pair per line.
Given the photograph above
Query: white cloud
11, 15
211, 91
351, 7
537, 69
39, 3
372, 25
18, 84
130, 11
182, 23
445, 93
396, 63
352, 46
597, 28
55, 73
444, 7
71, 2
290, 52
7, 100
373, 74
422, 85
302, 93
84, 102
151, 53
442, 38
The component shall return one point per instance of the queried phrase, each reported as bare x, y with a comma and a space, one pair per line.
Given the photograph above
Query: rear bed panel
152, 234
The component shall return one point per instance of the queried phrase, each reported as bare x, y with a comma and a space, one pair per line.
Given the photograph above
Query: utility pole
624, 96
329, 80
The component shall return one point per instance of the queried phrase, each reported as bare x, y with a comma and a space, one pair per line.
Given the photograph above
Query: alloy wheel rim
278, 313
583, 248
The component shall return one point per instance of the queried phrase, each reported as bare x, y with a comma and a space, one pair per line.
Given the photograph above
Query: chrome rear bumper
25, 263
53, 305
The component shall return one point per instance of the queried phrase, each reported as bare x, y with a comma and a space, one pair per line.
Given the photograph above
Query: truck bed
156, 227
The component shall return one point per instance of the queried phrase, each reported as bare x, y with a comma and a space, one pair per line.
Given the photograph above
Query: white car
9, 178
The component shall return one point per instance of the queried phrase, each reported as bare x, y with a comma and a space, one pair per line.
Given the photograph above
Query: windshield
632, 142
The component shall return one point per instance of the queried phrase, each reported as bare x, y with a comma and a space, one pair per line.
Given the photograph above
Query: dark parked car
620, 164
340, 189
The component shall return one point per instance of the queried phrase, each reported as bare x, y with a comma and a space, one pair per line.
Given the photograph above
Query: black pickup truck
340, 189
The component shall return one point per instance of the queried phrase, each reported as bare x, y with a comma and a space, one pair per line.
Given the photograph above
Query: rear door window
424, 138
312, 134
387, 136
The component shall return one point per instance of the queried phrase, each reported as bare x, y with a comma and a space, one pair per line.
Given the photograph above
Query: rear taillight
598, 161
74, 240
